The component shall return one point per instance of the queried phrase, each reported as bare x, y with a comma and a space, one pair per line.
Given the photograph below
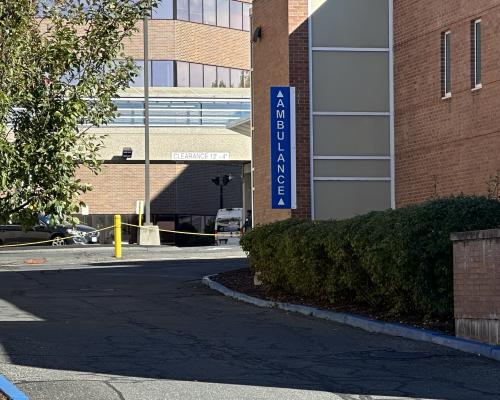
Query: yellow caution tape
224, 235
183, 233
53, 240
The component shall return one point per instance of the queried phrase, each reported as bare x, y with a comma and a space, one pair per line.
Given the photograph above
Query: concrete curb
392, 329
10, 390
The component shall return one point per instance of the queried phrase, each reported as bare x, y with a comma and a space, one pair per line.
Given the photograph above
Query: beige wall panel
161, 41
206, 44
351, 81
351, 136
164, 141
340, 200
351, 23
197, 43
352, 168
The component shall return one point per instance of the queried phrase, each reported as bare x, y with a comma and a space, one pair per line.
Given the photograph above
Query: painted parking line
12, 392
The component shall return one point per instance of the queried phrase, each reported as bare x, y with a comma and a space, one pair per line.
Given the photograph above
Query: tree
61, 64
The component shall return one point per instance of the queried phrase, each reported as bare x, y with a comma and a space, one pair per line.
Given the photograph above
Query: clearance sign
283, 156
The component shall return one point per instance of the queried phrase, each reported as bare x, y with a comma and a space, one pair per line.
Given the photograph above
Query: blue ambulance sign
283, 153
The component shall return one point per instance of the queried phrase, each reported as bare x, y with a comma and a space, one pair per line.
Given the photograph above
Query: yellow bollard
118, 236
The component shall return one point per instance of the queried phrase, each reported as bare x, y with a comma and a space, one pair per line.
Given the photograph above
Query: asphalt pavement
150, 330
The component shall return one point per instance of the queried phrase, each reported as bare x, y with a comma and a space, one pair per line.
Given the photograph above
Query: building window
164, 10
476, 54
210, 12
223, 77
195, 75
236, 15
446, 64
239, 78
196, 11
162, 73
183, 10
209, 76
182, 74
246, 16
223, 13
166, 73
139, 79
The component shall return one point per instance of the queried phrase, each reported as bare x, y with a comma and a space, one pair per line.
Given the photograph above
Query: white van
228, 226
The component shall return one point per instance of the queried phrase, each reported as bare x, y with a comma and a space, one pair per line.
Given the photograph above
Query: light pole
222, 181
147, 188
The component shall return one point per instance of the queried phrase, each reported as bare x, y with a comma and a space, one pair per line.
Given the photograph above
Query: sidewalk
12, 259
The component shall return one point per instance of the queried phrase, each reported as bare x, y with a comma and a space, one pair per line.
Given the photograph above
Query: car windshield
228, 225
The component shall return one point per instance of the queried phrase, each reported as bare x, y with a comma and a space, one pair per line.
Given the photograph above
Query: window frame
156, 64
446, 64
187, 11
240, 12
201, 12
204, 12
476, 70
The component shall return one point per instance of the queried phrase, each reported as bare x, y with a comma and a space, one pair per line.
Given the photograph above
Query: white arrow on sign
280, 95
281, 202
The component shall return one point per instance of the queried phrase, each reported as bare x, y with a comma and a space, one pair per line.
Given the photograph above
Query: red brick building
199, 63
337, 54
396, 101
446, 144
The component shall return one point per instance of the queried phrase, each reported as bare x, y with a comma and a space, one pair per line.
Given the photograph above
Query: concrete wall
447, 146
476, 275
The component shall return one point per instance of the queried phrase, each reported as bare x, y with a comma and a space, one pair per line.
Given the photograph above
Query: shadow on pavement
157, 320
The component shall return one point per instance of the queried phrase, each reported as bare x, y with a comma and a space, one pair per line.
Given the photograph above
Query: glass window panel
165, 10
195, 75
448, 62
183, 10
196, 11
223, 13
236, 15
246, 16
477, 52
182, 74
246, 75
138, 81
209, 12
223, 77
210, 76
162, 73
237, 80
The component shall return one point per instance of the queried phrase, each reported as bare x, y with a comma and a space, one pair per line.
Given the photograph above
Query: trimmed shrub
396, 261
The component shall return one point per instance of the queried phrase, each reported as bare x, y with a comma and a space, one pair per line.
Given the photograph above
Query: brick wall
270, 68
299, 78
187, 41
281, 57
175, 188
448, 146
476, 277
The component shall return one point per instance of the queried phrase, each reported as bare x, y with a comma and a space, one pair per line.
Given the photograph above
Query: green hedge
396, 261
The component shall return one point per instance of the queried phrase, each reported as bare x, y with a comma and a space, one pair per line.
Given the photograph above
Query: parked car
60, 234
228, 226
